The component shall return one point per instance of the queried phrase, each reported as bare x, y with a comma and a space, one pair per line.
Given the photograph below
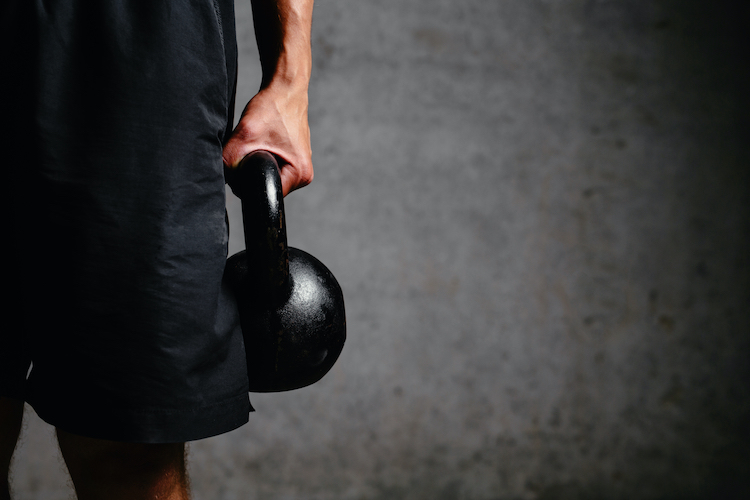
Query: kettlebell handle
256, 181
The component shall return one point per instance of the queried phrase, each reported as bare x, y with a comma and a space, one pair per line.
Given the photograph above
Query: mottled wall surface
538, 212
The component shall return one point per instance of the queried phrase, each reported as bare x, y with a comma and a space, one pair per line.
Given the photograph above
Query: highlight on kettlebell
291, 306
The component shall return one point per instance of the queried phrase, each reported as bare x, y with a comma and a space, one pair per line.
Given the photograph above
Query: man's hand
275, 119
275, 122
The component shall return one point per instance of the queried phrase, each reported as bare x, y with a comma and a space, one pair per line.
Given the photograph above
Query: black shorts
118, 324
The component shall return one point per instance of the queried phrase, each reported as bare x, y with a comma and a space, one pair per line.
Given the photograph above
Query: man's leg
11, 415
124, 471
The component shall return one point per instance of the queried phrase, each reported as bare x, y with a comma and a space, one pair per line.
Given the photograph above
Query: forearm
282, 30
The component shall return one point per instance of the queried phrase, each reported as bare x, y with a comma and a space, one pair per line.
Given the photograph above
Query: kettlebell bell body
291, 306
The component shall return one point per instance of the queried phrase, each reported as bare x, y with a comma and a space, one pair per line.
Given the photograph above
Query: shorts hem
152, 425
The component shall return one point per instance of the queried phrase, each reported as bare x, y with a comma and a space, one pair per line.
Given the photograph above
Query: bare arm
276, 118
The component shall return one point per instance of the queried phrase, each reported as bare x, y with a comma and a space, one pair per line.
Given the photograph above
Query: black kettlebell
291, 306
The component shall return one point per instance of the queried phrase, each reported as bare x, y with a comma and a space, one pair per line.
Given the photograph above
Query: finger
292, 178
288, 177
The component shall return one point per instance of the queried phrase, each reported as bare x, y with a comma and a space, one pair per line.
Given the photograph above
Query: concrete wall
538, 213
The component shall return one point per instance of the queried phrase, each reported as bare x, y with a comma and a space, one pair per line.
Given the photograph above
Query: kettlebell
291, 306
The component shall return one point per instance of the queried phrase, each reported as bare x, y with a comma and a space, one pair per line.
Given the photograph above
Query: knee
144, 470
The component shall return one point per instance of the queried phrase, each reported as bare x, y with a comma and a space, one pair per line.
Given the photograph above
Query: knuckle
244, 131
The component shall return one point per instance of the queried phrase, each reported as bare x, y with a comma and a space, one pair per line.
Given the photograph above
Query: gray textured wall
538, 213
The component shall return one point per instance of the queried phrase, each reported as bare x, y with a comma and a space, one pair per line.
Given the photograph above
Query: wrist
290, 73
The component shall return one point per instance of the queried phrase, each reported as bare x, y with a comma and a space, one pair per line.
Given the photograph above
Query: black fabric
116, 216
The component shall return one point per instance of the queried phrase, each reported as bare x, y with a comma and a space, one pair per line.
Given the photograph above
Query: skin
274, 120
120, 471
